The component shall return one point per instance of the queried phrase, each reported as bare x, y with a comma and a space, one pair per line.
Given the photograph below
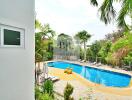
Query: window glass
11, 37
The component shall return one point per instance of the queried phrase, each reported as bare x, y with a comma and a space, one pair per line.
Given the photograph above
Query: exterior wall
17, 64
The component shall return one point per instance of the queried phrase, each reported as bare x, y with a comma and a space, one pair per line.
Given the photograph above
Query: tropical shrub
37, 92
45, 96
41, 95
43, 45
47, 87
68, 91
94, 49
120, 49
128, 59
89, 54
105, 49
122, 42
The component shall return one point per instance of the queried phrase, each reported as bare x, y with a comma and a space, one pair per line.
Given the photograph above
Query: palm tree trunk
84, 51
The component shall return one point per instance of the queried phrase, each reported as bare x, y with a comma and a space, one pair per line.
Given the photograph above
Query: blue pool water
104, 77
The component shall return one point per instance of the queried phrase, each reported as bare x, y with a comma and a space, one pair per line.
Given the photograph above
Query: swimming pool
104, 77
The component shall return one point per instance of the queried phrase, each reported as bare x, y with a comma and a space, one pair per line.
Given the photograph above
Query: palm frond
107, 11
94, 2
126, 8
37, 24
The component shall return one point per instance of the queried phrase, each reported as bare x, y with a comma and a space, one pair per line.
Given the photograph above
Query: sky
72, 16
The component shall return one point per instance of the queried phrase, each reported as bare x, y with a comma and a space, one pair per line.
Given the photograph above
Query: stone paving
82, 86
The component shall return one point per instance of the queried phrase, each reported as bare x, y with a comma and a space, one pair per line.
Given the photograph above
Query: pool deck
112, 90
82, 85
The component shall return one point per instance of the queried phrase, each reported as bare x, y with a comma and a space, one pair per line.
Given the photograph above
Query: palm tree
108, 13
37, 24
83, 36
45, 32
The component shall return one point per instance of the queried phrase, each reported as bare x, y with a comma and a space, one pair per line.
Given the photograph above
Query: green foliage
43, 42
45, 96
105, 49
47, 56
81, 54
89, 54
37, 24
94, 2
67, 92
83, 37
128, 59
94, 49
37, 93
109, 58
48, 87
114, 50
108, 13
40, 95
122, 42
39, 48
126, 9
120, 49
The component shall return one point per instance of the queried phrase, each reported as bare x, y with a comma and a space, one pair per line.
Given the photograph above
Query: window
11, 36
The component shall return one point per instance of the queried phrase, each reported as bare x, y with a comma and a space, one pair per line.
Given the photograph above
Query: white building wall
17, 64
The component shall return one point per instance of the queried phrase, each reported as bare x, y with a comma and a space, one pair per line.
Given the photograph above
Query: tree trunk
84, 51
96, 58
38, 73
35, 74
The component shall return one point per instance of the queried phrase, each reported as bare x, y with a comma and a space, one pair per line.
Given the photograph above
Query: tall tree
95, 47
108, 13
83, 36
44, 33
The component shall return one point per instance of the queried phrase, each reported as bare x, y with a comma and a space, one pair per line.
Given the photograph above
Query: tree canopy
83, 37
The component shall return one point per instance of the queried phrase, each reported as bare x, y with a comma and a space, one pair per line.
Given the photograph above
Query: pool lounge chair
79, 60
94, 63
82, 61
54, 78
49, 77
98, 64
127, 68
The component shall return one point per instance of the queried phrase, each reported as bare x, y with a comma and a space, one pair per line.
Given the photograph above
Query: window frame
22, 36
